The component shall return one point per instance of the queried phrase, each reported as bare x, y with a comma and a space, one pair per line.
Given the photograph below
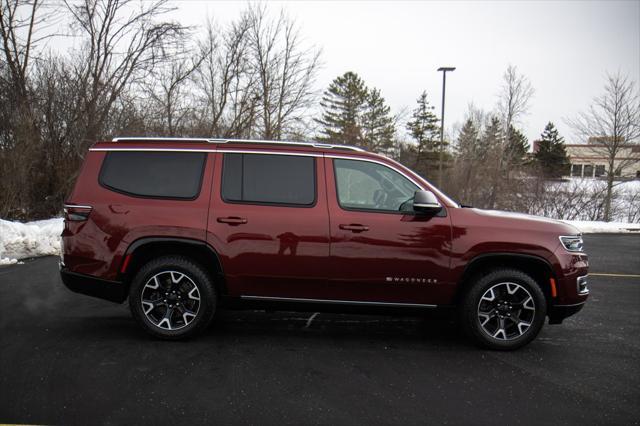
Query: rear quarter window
176, 175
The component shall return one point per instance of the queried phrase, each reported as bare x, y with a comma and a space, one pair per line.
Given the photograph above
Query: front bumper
114, 291
557, 313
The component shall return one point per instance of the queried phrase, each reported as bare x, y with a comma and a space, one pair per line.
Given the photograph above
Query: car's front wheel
172, 297
504, 309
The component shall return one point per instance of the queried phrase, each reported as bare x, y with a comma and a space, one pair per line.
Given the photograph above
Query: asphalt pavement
69, 359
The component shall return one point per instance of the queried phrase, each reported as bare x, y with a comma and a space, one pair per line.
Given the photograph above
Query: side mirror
426, 202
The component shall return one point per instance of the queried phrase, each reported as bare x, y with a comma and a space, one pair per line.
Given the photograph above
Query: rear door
269, 221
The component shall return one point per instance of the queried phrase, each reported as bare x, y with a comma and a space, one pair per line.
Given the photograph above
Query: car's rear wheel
172, 297
504, 309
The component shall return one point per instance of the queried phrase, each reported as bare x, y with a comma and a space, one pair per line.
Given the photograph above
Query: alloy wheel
170, 300
506, 311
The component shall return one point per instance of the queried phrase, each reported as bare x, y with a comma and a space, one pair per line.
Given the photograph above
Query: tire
503, 310
172, 298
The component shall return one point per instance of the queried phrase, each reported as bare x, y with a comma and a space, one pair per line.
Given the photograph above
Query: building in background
590, 160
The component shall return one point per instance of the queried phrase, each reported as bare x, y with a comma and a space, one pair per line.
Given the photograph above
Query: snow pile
31, 239
590, 227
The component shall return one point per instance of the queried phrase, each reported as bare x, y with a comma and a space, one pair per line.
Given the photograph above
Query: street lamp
444, 84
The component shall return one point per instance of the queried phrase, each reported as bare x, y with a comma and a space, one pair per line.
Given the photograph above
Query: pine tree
551, 156
378, 126
469, 161
516, 148
491, 139
343, 103
468, 142
425, 131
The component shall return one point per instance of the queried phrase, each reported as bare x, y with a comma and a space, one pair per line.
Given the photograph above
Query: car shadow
287, 328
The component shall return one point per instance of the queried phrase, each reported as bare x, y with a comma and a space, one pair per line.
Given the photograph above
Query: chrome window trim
159, 139
240, 141
382, 163
230, 151
448, 201
337, 302
241, 151
155, 149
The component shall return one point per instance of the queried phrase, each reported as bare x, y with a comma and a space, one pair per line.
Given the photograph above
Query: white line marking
311, 319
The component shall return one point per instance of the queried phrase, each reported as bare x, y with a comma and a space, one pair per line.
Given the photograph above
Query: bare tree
614, 119
121, 44
285, 71
24, 25
169, 90
513, 102
226, 81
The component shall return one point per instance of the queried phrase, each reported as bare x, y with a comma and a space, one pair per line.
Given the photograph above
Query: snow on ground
42, 237
589, 227
31, 239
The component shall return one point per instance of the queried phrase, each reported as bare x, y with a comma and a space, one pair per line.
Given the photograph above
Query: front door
269, 222
381, 250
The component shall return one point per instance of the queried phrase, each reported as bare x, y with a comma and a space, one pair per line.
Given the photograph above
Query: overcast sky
564, 48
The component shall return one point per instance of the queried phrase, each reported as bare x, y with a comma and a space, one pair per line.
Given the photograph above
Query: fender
506, 254
503, 255
129, 262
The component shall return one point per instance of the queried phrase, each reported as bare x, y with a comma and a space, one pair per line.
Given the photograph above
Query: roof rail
256, 141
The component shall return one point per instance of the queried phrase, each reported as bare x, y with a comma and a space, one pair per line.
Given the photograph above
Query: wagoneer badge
412, 280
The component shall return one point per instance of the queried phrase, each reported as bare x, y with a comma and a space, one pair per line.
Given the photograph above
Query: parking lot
70, 359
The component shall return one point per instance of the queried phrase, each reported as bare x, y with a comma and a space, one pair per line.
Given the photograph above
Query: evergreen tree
551, 156
516, 148
343, 103
425, 131
356, 115
378, 126
491, 139
491, 151
468, 142
469, 161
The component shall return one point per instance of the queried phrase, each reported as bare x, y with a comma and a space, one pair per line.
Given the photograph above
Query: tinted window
371, 186
271, 179
154, 174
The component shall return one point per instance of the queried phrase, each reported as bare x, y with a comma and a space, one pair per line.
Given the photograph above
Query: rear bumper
114, 291
557, 313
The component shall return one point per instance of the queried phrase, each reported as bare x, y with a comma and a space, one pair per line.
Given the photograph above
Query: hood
527, 222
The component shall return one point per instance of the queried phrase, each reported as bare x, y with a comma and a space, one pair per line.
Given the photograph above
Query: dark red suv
183, 226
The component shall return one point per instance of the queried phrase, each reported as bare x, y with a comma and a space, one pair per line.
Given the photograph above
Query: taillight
76, 213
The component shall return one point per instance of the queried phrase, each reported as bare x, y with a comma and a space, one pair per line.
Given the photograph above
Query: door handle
232, 220
354, 227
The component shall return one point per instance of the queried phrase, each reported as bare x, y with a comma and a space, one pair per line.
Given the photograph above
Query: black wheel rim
506, 311
170, 300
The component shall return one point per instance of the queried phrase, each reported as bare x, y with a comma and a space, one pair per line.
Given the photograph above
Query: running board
339, 302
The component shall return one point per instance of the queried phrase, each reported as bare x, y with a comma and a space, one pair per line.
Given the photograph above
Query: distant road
68, 359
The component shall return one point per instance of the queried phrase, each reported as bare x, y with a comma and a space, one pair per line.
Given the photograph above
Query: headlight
572, 243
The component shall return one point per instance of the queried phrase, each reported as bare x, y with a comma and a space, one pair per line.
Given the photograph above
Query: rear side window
154, 174
269, 179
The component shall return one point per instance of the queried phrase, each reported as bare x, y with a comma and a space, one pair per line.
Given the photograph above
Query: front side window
154, 174
363, 185
269, 179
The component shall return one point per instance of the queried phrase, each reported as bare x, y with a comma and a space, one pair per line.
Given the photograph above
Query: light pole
444, 85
